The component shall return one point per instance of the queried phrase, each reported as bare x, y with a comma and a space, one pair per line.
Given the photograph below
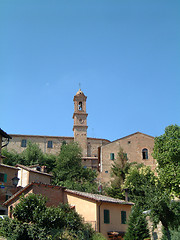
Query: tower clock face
81, 121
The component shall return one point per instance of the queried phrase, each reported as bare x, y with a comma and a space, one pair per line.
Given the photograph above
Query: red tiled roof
4, 165
32, 170
98, 197
28, 186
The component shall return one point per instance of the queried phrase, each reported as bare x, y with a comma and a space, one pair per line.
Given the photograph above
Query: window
7, 197
125, 155
112, 156
23, 143
129, 142
50, 144
3, 177
106, 216
123, 217
145, 153
106, 171
80, 106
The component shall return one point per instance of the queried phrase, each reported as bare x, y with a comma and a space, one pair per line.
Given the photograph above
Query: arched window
145, 153
80, 106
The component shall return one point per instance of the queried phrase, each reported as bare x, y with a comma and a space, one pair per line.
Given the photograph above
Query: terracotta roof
98, 197
3, 165
4, 134
61, 137
28, 186
43, 136
32, 170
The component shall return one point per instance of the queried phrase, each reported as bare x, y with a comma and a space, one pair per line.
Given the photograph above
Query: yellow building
106, 215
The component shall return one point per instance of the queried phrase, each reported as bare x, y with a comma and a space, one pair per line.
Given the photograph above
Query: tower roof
80, 94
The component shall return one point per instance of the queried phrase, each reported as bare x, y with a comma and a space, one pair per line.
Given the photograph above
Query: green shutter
7, 197
112, 156
5, 177
106, 216
123, 217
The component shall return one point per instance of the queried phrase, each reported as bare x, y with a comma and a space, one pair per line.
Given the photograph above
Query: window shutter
106, 216
123, 217
5, 177
112, 156
7, 197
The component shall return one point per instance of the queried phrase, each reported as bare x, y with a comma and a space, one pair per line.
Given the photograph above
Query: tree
138, 181
147, 191
167, 154
70, 173
137, 225
30, 156
118, 171
43, 222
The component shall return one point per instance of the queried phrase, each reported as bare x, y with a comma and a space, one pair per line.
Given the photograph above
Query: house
7, 186
106, 215
30, 174
138, 147
4, 138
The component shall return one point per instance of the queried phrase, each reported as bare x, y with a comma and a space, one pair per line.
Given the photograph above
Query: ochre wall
115, 217
132, 145
85, 207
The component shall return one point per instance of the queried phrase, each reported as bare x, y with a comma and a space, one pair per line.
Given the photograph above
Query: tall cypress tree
137, 229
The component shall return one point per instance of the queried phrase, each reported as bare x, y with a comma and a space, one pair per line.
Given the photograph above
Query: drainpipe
100, 216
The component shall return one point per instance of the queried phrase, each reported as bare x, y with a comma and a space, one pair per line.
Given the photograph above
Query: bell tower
80, 121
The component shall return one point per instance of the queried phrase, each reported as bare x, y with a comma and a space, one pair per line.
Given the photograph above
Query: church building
98, 154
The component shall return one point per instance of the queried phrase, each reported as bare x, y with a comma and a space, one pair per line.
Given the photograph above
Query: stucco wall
9, 189
132, 145
85, 207
38, 177
115, 217
23, 176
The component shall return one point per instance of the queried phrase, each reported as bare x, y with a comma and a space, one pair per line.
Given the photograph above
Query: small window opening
112, 156
106, 216
23, 143
129, 142
80, 106
50, 144
145, 153
123, 217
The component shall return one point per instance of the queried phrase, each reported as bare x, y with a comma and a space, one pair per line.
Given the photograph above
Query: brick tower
80, 121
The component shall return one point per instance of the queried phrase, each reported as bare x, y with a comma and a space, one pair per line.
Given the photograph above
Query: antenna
79, 85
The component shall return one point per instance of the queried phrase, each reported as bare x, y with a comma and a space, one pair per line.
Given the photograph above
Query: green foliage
29, 208
137, 225
12, 157
70, 173
98, 236
30, 156
44, 223
175, 234
146, 190
138, 182
167, 154
118, 170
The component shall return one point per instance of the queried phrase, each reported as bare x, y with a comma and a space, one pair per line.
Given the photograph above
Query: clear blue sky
125, 54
